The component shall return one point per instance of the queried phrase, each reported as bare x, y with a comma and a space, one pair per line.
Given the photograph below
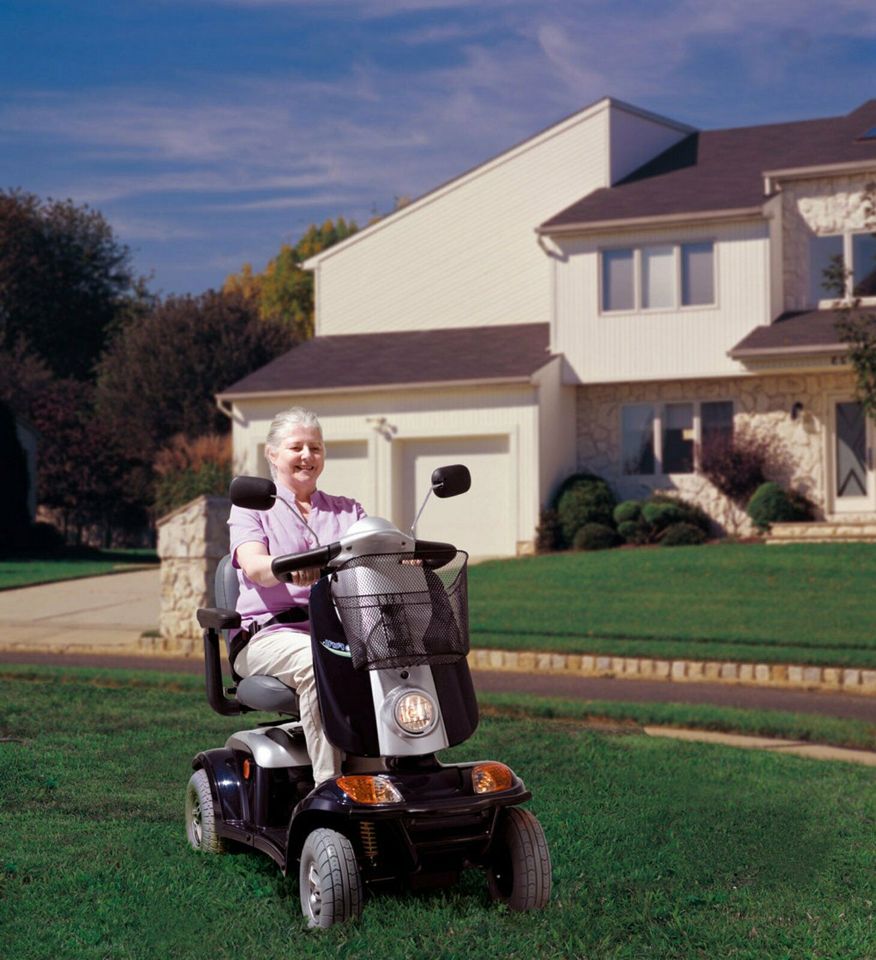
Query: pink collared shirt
280, 530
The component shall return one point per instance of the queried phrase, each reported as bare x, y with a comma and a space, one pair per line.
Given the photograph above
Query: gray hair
282, 425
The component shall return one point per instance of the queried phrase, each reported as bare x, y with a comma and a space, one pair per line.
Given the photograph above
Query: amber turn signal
369, 789
490, 777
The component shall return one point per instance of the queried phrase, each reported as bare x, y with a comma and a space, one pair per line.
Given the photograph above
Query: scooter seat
262, 692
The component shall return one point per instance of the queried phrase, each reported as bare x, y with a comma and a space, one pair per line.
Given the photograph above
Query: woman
295, 453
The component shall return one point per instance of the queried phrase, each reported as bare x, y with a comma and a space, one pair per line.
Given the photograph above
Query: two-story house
609, 295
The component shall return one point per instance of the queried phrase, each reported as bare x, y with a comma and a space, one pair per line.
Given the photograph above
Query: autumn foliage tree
284, 291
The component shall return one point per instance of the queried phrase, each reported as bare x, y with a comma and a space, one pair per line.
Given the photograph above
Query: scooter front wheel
201, 815
519, 872
329, 880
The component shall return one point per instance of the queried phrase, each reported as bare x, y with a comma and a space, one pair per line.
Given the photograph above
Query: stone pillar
191, 542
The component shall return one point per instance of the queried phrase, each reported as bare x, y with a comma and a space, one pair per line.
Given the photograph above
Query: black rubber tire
519, 872
201, 815
329, 882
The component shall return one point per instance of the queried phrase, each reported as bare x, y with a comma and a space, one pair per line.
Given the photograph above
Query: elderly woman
275, 612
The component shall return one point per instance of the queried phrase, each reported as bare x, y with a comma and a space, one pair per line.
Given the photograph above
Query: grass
660, 849
30, 571
808, 604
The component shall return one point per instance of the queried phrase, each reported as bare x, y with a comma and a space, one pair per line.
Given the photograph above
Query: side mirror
451, 481
253, 493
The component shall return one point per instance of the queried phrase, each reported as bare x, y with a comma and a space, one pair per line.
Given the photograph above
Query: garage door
481, 521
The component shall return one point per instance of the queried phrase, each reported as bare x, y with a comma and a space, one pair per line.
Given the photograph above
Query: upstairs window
864, 265
854, 251
659, 277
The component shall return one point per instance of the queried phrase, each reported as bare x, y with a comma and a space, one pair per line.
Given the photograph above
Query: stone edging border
832, 679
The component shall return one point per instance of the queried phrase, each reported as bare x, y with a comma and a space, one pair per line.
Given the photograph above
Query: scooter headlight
414, 712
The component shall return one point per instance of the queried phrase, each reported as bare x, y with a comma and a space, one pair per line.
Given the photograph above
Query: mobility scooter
389, 629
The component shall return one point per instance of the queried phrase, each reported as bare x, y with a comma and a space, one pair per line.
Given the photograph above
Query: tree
855, 326
159, 376
65, 281
284, 291
14, 480
82, 472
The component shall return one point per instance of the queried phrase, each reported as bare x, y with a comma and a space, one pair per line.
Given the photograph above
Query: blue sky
208, 132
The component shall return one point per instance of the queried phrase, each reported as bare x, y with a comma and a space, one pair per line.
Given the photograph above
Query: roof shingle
718, 170
506, 352
811, 332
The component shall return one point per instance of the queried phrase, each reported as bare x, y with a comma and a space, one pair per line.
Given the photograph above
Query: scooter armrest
215, 618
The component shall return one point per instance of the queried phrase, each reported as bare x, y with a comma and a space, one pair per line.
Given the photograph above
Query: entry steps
851, 529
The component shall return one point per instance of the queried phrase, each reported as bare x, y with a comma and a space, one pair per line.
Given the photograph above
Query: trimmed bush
660, 514
682, 535
772, 503
596, 536
634, 531
547, 534
583, 498
686, 512
627, 511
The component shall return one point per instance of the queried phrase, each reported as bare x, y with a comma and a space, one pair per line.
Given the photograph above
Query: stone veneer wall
823, 206
761, 403
191, 542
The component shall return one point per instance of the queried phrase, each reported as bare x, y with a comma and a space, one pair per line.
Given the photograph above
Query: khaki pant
286, 654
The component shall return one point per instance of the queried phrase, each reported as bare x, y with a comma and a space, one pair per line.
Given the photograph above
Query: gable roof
723, 170
416, 357
509, 154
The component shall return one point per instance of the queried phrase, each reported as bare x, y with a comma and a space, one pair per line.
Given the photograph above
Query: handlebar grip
433, 552
318, 557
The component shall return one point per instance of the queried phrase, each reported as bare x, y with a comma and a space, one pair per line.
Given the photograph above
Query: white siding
467, 254
557, 440
662, 344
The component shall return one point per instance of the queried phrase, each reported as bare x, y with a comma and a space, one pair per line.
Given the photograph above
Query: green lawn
27, 571
660, 849
800, 604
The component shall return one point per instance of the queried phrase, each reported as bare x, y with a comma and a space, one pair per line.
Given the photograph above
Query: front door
853, 480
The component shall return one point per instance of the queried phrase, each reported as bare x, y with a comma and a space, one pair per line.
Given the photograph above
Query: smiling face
299, 459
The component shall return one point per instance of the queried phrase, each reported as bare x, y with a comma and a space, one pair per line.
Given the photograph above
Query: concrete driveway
93, 614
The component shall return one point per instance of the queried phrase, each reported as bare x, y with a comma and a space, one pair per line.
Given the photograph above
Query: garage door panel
481, 521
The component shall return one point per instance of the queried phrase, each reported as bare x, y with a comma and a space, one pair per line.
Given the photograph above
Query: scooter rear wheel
329, 881
519, 872
201, 815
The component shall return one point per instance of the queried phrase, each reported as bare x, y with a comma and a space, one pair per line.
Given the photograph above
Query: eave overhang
668, 219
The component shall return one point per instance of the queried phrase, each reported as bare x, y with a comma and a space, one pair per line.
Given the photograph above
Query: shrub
596, 536
738, 465
583, 498
686, 512
634, 531
659, 514
190, 468
35, 539
547, 534
771, 504
682, 535
626, 511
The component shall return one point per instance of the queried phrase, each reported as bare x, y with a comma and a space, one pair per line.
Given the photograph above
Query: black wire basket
399, 612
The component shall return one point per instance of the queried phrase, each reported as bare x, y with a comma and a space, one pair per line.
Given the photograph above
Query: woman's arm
255, 561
